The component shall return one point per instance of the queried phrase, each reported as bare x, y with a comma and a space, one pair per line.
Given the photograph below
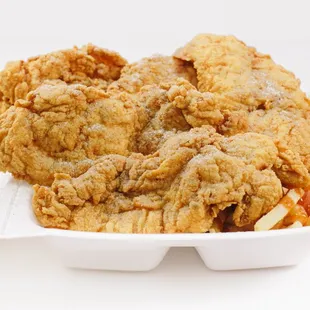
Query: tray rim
179, 237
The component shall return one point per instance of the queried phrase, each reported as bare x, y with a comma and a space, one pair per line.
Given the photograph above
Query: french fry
296, 224
297, 213
280, 210
279, 225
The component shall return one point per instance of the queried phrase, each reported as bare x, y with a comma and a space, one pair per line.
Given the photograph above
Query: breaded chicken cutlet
168, 144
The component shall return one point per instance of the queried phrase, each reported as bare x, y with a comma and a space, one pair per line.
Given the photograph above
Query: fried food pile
215, 138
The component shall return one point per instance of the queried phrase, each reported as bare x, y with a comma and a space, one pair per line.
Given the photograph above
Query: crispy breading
291, 133
64, 128
164, 118
90, 65
242, 90
199, 142
64, 132
239, 76
150, 71
180, 188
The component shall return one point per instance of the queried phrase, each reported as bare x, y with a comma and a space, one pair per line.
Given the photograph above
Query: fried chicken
64, 128
289, 128
164, 119
148, 82
70, 126
90, 65
197, 142
152, 71
291, 133
180, 188
239, 77
241, 90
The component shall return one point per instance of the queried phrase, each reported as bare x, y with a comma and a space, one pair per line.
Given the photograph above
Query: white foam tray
230, 251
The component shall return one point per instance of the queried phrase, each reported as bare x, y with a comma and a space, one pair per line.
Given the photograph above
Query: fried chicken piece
177, 106
167, 115
64, 128
115, 125
164, 119
150, 71
291, 133
148, 81
289, 128
242, 90
37, 156
56, 116
182, 187
198, 108
239, 76
90, 65
202, 108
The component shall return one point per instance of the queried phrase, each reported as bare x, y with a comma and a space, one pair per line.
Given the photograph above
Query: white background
30, 276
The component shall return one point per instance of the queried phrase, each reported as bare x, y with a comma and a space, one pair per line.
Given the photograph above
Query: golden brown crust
291, 133
241, 76
130, 148
150, 71
243, 90
180, 188
64, 128
90, 65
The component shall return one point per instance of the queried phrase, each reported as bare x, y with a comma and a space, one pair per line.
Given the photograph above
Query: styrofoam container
134, 252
